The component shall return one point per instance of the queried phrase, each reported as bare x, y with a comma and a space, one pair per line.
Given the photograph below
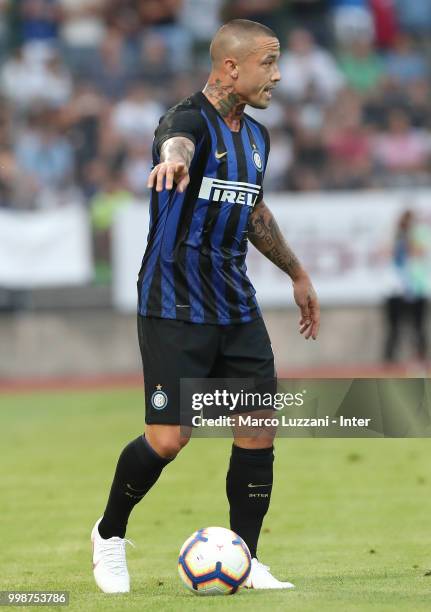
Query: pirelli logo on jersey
233, 192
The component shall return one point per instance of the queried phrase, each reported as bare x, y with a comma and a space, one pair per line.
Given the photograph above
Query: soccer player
198, 316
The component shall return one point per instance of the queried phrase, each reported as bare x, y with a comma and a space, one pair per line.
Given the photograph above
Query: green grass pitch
349, 522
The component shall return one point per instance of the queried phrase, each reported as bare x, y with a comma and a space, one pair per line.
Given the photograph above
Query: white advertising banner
343, 239
45, 248
129, 239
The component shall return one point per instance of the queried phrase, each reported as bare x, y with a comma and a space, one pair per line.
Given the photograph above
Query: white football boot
109, 562
261, 578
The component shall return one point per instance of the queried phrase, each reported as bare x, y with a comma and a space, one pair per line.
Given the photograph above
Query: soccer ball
214, 561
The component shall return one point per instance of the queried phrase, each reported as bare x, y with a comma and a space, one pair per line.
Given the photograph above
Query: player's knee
254, 442
170, 448
167, 444
183, 441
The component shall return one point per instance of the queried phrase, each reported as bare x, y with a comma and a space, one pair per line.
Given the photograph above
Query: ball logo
159, 399
257, 160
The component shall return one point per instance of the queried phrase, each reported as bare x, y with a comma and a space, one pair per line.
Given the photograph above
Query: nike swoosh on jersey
220, 155
252, 486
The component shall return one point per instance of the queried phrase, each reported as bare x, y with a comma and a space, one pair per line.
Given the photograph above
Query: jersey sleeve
265, 135
188, 123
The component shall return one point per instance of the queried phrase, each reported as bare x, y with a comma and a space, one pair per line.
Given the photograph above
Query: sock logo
134, 493
253, 486
141, 491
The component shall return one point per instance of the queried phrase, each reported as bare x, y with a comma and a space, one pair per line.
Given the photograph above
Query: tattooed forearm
265, 235
177, 149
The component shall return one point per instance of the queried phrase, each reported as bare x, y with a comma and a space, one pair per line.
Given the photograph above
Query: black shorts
172, 350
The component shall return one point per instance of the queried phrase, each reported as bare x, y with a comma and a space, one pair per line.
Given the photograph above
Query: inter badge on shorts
159, 399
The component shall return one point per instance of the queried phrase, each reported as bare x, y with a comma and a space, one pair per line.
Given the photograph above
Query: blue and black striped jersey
194, 264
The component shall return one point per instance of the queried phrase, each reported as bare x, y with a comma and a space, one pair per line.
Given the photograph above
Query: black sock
138, 468
248, 487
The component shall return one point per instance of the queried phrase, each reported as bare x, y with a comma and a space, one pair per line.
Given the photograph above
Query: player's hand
306, 299
164, 175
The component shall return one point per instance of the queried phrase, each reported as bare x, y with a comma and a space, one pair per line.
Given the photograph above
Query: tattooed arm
265, 235
176, 155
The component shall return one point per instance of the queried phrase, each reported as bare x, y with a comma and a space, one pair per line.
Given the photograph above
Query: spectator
414, 16
281, 160
408, 302
353, 21
82, 119
4, 34
303, 178
305, 123
385, 22
44, 156
112, 197
133, 118
155, 69
26, 82
8, 178
419, 103
403, 63
310, 159
130, 59
361, 66
348, 145
15, 75
39, 24
5, 124
114, 70
93, 178
403, 153
137, 166
82, 32
163, 18
123, 17
312, 15
201, 18
303, 65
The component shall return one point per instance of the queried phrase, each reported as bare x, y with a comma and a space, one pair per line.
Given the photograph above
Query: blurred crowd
84, 82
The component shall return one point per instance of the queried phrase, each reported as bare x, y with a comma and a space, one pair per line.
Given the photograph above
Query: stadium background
83, 86
83, 83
